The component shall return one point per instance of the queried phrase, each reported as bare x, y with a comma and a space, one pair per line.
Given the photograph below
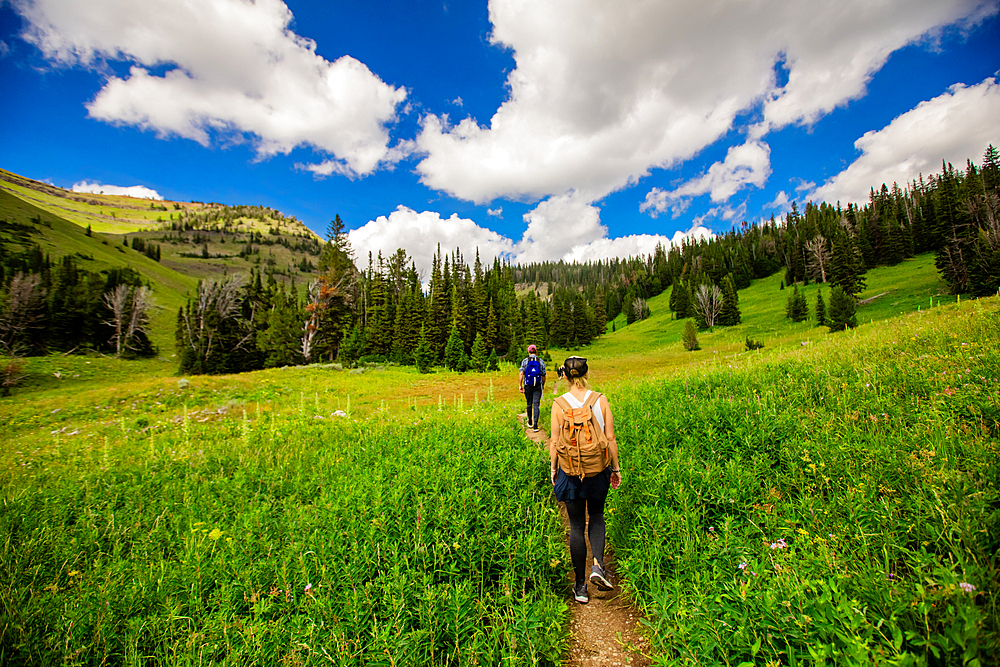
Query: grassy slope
119, 214
654, 344
104, 213
57, 237
65, 216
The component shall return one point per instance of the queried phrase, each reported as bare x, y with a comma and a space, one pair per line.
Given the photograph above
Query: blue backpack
533, 372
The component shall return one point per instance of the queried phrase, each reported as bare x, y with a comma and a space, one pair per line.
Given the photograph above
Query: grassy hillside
120, 214
655, 343
58, 237
211, 240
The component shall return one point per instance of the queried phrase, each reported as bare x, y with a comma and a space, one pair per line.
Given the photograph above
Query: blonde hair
579, 382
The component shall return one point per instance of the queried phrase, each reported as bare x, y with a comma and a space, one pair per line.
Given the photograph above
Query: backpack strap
592, 399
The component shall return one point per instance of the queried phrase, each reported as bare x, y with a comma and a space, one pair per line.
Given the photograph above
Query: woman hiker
587, 495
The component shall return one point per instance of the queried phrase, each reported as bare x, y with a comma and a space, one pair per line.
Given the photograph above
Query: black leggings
577, 511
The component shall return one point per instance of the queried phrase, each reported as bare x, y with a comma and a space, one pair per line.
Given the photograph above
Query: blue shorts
573, 488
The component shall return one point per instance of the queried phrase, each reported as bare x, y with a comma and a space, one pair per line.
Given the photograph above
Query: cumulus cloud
139, 191
420, 233
556, 226
781, 203
748, 164
228, 66
633, 246
602, 93
560, 228
955, 126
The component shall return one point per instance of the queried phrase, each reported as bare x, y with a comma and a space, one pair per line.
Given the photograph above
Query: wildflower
967, 587
742, 566
215, 534
308, 589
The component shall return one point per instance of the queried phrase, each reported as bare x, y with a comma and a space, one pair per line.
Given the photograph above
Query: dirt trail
605, 631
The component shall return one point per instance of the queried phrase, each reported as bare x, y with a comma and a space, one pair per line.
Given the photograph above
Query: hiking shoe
600, 579
580, 593
536, 429
529, 424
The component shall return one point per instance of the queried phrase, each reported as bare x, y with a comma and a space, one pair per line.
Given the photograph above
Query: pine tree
820, 309
683, 302
280, 341
842, 310
690, 337
796, 307
351, 348
990, 172
480, 356
493, 362
454, 350
730, 314
846, 265
423, 356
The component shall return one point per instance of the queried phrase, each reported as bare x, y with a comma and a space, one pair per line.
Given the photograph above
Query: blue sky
541, 129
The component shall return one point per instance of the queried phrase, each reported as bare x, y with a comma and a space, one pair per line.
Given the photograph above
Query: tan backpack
581, 443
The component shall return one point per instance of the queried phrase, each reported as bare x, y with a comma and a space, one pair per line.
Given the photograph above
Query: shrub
690, 337
842, 313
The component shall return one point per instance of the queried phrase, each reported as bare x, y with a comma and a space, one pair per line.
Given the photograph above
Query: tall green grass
834, 505
274, 540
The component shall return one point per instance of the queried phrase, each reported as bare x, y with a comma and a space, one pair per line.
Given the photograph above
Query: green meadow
830, 499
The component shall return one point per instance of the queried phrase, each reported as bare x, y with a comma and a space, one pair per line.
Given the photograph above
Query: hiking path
605, 631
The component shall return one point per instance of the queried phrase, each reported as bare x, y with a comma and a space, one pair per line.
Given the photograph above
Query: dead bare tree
117, 301
314, 309
324, 295
708, 303
817, 257
20, 314
216, 303
131, 309
22, 311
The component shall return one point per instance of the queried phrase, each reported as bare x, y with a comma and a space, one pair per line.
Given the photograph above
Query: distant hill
172, 244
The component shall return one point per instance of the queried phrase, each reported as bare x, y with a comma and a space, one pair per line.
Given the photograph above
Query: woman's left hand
616, 480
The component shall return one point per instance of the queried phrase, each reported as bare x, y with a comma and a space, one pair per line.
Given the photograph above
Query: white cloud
781, 203
748, 164
955, 126
138, 191
603, 92
833, 50
420, 233
632, 246
496, 212
560, 228
556, 226
231, 67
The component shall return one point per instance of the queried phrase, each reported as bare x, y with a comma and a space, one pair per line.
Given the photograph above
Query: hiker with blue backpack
584, 465
532, 379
